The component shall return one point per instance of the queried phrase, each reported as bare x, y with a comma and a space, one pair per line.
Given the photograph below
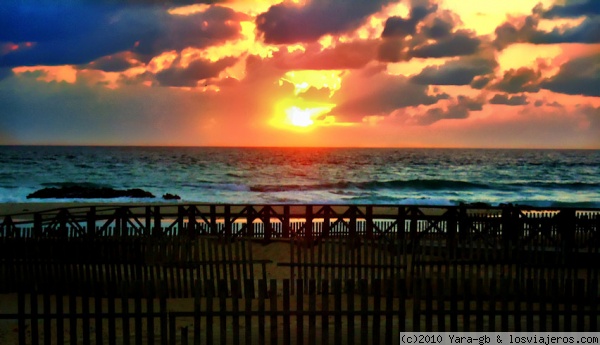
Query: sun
300, 117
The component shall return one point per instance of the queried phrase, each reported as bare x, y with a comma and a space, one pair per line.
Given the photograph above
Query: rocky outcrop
170, 196
81, 192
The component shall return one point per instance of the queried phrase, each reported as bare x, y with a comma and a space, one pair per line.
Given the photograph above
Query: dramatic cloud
348, 55
231, 72
580, 76
514, 32
525, 30
401, 27
79, 33
509, 100
195, 71
373, 92
459, 109
112, 63
586, 32
574, 9
290, 23
430, 36
523, 79
455, 72
460, 43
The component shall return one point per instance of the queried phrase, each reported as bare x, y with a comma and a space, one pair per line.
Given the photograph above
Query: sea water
547, 178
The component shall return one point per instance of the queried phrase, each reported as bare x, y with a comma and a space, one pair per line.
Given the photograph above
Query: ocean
544, 178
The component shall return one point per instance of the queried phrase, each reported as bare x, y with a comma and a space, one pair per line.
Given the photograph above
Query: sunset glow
316, 73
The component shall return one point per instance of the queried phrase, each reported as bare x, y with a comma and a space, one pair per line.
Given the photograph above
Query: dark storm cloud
511, 32
521, 80
430, 35
348, 55
509, 100
457, 44
79, 32
438, 29
580, 76
197, 70
573, 9
401, 27
286, 23
480, 82
588, 31
459, 109
211, 27
456, 72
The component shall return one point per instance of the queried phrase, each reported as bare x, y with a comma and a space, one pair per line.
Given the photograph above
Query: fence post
91, 221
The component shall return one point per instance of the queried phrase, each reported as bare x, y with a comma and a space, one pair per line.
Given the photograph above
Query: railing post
451, 241
191, 228
37, 225
157, 222
566, 226
463, 222
508, 230
91, 222
401, 222
7, 228
267, 222
286, 222
250, 221
414, 221
62, 221
213, 221
180, 215
353, 222
370, 221
308, 228
148, 226
228, 224
326, 222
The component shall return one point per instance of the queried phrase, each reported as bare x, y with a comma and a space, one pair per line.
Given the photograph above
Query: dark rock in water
80, 192
170, 196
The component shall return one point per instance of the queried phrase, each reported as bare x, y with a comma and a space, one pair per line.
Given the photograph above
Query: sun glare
299, 117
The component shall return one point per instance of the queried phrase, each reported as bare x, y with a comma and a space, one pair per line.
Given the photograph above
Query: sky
327, 73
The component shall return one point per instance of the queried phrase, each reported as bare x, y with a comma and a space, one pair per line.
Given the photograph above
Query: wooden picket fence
139, 313
53, 262
339, 312
538, 305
